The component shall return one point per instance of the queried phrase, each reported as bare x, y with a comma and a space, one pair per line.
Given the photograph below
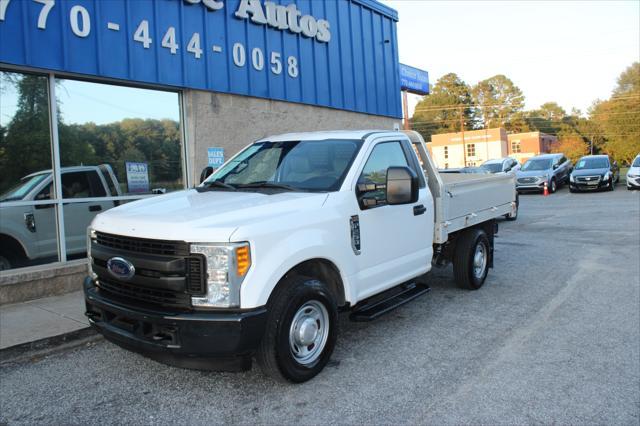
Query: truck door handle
418, 210
95, 208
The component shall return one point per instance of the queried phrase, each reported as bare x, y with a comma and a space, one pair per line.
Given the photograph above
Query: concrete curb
47, 346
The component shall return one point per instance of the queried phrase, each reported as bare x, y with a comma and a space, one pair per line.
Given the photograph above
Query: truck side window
383, 156
82, 185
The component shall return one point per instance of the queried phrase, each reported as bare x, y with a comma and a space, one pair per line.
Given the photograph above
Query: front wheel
471, 259
5, 263
554, 186
301, 330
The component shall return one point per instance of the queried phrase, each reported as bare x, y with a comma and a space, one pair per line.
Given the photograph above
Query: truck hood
211, 216
590, 172
522, 174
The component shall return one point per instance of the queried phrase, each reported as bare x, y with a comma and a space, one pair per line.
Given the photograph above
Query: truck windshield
492, 167
592, 163
25, 186
538, 164
297, 165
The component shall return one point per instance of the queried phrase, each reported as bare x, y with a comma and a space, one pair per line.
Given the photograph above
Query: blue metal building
335, 53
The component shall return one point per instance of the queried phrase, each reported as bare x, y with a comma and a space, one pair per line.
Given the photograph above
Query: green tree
25, 147
573, 147
498, 101
619, 117
449, 104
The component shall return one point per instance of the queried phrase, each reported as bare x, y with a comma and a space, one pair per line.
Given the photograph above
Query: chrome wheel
480, 260
309, 332
553, 185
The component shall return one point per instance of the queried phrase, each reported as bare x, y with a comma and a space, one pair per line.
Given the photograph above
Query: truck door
77, 216
395, 241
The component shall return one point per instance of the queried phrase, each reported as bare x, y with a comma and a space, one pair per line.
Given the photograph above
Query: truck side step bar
380, 304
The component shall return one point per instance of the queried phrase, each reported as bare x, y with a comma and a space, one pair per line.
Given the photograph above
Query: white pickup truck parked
259, 259
28, 230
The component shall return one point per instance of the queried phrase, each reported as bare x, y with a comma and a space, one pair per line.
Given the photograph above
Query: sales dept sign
276, 16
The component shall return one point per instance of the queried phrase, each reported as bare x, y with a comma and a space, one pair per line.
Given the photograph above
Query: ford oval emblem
121, 268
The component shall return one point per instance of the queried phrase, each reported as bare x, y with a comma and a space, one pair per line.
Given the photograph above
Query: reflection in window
383, 156
110, 126
28, 231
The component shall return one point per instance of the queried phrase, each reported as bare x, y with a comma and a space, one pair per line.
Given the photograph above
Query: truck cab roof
333, 134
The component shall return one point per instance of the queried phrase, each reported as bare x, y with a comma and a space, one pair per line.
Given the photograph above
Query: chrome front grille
588, 179
527, 180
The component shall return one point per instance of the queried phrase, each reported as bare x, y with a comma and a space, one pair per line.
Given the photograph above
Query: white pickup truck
258, 260
28, 229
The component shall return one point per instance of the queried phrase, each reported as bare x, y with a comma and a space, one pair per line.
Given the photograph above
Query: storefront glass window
27, 223
117, 142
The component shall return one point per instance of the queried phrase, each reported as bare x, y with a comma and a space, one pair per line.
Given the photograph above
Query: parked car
28, 232
552, 169
258, 260
593, 172
633, 175
473, 170
502, 165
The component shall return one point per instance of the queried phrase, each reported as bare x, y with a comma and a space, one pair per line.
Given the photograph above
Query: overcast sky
570, 52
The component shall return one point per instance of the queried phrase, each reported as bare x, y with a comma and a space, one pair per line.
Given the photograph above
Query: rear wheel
301, 330
471, 259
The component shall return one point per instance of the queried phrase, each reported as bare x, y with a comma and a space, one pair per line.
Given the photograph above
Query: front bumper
583, 186
221, 341
633, 182
538, 186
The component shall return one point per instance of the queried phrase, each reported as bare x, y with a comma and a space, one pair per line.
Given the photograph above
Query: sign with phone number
304, 51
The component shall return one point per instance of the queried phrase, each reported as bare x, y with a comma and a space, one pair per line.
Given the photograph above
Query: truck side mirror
402, 186
206, 172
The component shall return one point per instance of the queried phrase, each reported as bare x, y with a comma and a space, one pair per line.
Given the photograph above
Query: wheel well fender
319, 268
11, 246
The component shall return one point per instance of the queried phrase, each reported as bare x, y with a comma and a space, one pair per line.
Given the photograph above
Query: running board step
378, 305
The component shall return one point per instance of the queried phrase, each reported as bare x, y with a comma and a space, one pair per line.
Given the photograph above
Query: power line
471, 106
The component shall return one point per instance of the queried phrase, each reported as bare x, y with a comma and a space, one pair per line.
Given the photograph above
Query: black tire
612, 185
553, 187
275, 355
514, 217
463, 259
5, 262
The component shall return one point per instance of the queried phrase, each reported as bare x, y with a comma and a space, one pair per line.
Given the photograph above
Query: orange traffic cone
546, 190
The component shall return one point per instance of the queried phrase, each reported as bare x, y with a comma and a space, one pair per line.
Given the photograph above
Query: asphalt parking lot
552, 337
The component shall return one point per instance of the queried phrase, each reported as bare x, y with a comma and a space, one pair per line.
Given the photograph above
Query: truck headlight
226, 267
91, 238
571, 179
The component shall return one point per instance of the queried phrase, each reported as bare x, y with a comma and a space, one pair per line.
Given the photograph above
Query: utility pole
464, 147
405, 110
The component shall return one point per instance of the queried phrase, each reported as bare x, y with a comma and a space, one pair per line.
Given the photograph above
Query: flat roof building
474, 147
523, 146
